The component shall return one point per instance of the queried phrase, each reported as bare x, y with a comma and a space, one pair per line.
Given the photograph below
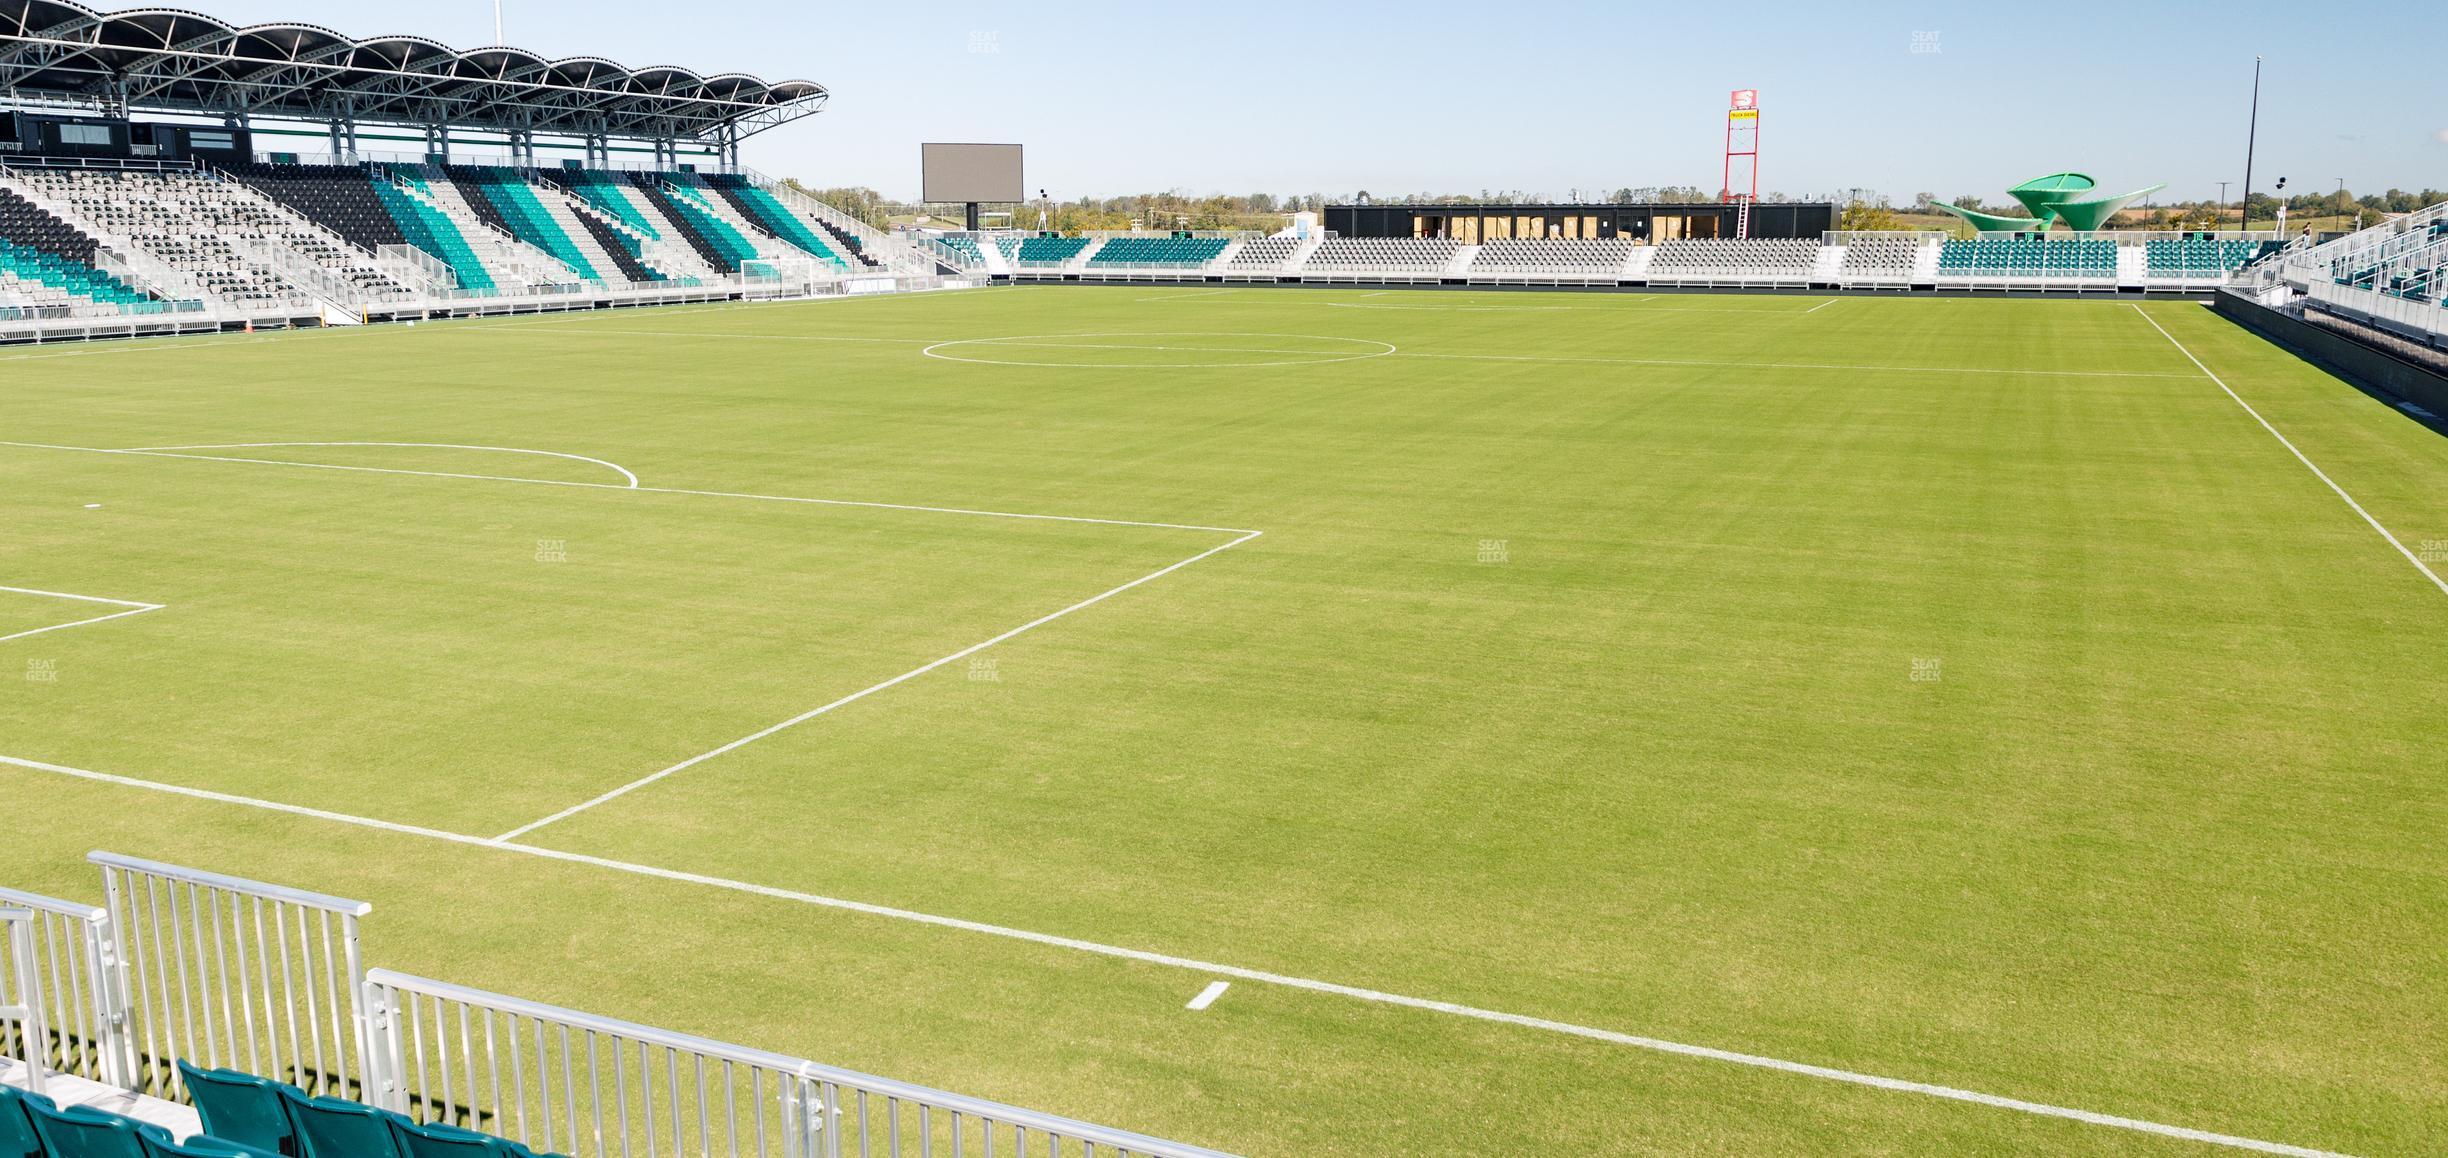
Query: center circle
1159, 350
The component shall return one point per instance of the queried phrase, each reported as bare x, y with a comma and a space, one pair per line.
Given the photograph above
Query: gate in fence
226, 972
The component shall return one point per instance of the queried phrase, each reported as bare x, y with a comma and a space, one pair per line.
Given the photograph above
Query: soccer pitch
1570, 723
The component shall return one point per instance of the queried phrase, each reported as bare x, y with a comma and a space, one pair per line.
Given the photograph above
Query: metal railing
594, 1087
224, 971
21, 997
75, 955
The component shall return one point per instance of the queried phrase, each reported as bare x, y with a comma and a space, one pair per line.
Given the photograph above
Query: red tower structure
1742, 145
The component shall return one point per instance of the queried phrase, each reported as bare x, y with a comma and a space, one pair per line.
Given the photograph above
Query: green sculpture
2050, 199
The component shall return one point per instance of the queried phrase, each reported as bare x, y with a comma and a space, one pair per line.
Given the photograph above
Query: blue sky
1432, 96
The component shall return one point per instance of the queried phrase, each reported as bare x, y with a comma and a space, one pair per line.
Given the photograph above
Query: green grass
2161, 840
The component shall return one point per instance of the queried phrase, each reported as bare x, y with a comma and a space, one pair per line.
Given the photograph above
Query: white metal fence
592, 1087
229, 972
74, 952
222, 971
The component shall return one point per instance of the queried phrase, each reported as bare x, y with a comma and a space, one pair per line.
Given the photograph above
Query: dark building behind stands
35, 134
1651, 223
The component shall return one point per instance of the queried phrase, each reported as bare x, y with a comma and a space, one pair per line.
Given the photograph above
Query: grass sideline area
1964, 692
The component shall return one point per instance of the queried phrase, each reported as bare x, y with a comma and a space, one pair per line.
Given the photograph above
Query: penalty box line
863, 693
1211, 968
127, 607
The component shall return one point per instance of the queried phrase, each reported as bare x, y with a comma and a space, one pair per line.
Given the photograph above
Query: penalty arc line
863, 693
643, 490
2317, 472
1235, 972
614, 467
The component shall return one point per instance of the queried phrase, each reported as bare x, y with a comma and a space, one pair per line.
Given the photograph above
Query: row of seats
516, 211
1760, 259
184, 220
1188, 252
432, 230
67, 279
1389, 254
2198, 255
244, 1116
1044, 250
2028, 257
1589, 257
1881, 256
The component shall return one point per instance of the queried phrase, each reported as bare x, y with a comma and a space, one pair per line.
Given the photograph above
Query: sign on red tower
1742, 157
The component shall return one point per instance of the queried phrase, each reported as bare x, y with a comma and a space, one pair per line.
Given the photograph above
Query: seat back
332, 1128
17, 1136
202, 1147
79, 1133
238, 1107
438, 1141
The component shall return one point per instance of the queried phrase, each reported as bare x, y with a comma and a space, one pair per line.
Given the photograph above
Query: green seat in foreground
336, 1128
76, 1132
239, 1107
202, 1146
17, 1136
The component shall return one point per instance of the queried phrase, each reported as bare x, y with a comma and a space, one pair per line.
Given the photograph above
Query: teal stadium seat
17, 1136
441, 1141
1163, 251
337, 1128
239, 1107
201, 1146
77, 1132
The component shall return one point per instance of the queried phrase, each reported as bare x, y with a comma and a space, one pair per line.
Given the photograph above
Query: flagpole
497, 33
2250, 134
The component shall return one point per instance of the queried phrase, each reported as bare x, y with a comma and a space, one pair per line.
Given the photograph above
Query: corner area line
130, 606
863, 693
1235, 972
2317, 472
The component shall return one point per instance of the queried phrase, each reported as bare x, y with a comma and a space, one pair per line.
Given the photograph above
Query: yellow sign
1743, 114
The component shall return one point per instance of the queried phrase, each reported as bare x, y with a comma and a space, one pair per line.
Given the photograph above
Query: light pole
2251, 133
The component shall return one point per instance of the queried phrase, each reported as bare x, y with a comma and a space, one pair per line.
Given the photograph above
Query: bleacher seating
431, 230
713, 238
965, 245
1264, 253
2028, 257
1778, 260
1168, 252
767, 212
1382, 254
2198, 256
1881, 257
227, 237
46, 262
502, 198
1521, 257
1042, 250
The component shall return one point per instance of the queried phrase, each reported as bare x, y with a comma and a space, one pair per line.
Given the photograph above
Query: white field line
1790, 366
592, 331
1235, 972
1207, 996
130, 606
1822, 305
863, 693
644, 490
1178, 296
614, 467
2317, 472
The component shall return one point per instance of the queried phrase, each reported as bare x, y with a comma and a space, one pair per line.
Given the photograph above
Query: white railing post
25, 1000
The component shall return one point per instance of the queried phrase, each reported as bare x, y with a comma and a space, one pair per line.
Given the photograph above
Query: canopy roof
169, 60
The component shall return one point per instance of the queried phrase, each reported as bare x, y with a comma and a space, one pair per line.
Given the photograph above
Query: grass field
1970, 693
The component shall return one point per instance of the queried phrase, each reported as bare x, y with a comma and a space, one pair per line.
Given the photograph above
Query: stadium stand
428, 228
690, 191
721, 246
1881, 257
767, 212
1264, 254
1382, 255
503, 200
1744, 262
2199, 256
45, 262
2015, 258
1167, 252
1540, 259
217, 235
1044, 250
